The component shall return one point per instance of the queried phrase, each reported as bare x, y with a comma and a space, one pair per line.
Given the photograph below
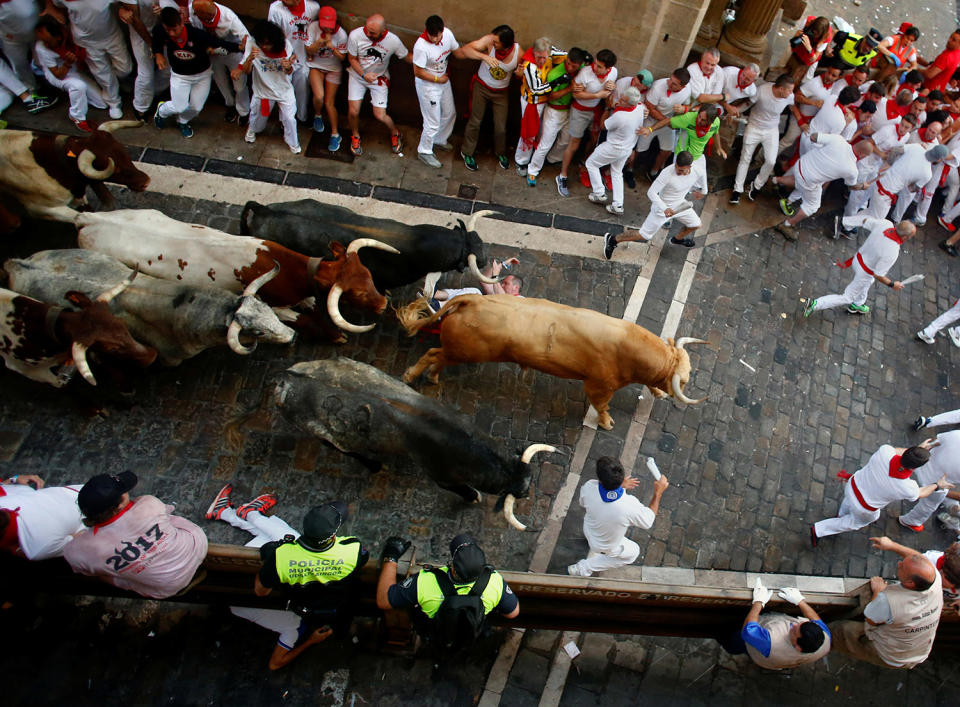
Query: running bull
178, 320
46, 174
368, 415
604, 352
309, 226
197, 255
48, 344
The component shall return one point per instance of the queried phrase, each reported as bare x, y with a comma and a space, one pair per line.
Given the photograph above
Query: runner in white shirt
37, 523
270, 57
431, 54
223, 22
763, 128
911, 171
833, 118
883, 140
621, 126
140, 23
927, 137
739, 87
369, 49
810, 96
890, 110
609, 512
64, 70
326, 50
665, 98
293, 17
18, 18
668, 202
872, 262
95, 29
927, 335
597, 81
706, 78
944, 461
885, 479
642, 81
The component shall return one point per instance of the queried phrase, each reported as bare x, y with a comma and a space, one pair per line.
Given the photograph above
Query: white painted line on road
500, 672
557, 678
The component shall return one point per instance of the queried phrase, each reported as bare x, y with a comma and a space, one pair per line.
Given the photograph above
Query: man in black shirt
188, 52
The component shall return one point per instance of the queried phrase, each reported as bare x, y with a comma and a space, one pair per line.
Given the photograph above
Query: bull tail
416, 315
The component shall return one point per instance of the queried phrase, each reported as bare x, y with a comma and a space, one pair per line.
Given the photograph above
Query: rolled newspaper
913, 278
654, 470
682, 206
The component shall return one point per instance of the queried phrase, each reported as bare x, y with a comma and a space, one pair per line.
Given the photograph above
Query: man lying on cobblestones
134, 543
610, 512
37, 522
901, 620
509, 285
776, 641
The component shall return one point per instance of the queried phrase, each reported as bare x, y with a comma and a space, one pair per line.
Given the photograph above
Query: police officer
853, 50
422, 594
317, 570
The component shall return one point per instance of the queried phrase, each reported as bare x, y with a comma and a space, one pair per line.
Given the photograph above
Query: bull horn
333, 309
79, 352
472, 262
476, 217
689, 340
370, 243
107, 296
678, 392
85, 165
255, 285
112, 125
534, 449
233, 340
508, 510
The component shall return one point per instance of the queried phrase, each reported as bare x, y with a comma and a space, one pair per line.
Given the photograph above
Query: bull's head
476, 258
94, 328
257, 319
102, 157
355, 283
681, 374
521, 487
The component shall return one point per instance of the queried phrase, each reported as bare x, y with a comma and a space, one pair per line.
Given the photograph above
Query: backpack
461, 618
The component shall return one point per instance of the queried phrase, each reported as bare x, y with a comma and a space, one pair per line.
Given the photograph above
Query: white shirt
325, 59
911, 170
229, 26
622, 126
374, 57
669, 189
47, 519
880, 118
92, 21
19, 17
434, 57
270, 81
48, 59
658, 98
831, 157
294, 26
831, 119
815, 89
765, 114
874, 482
878, 252
504, 72
592, 84
605, 524
730, 76
700, 84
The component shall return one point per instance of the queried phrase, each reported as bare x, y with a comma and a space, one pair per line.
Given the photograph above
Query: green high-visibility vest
848, 52
430, 597
297, 565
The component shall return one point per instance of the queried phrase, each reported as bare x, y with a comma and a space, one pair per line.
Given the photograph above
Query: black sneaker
949, 249
609, 245
685, 242
469, 161
231, 115
920, 423
735, 197
651, 175
628, 179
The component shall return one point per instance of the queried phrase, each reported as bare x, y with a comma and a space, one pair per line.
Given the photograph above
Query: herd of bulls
144, 286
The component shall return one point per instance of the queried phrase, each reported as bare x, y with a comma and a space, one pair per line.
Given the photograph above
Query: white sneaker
250, 136
615, 209
115, 113
949, 521
954, 333
296, 150
573, 571
924, 337
429, 159
596, 198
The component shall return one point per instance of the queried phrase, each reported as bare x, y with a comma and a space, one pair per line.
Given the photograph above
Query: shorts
666, 135
331, 76
357, 88
580, 120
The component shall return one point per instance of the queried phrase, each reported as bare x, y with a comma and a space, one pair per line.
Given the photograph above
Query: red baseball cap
327, 18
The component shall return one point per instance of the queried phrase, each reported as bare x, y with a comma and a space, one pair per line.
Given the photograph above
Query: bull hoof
605, 421
435, 378
408, 376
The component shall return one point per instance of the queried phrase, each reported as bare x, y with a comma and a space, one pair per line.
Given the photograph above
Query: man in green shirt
696, 130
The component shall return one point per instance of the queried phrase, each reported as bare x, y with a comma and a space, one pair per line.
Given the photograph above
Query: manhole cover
467, 191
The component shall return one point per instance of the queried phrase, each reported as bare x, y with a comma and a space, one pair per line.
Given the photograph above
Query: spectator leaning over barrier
37, 521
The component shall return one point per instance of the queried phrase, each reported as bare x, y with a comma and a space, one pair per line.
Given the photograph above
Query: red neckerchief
380, 38
705, 74
696, 127
502, 54
825, 84
893, 112
212, 24
124, 510
181, 41
298, 10
68, 47
891, 233
741, 86
274, 55
628, 109
427, 37
897, 471
601, 77
10, 541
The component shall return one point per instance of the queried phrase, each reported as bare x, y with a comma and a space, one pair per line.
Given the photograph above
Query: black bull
376, 419
309, 227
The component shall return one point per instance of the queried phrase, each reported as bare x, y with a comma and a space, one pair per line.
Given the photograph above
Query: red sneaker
83, 125
396, 143
585, 177
261, 504
813, 537
914, 528
946, 224
220, 503
355, 145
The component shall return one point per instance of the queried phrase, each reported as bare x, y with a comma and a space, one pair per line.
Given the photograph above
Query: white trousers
81, 89
951, 189
931, 330
10, 83
866, 171
301, 88
188, 94
597, 561
655, 220
855, 293
808, 193
852, 516
288, 119
952, 212
149, 78
607, 154
951, 417
751, 138
108, 61
438, 111
879, 205
234, 93
552, 124
18, 49
523, 154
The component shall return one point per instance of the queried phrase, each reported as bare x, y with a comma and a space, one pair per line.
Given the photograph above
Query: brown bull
604, 352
